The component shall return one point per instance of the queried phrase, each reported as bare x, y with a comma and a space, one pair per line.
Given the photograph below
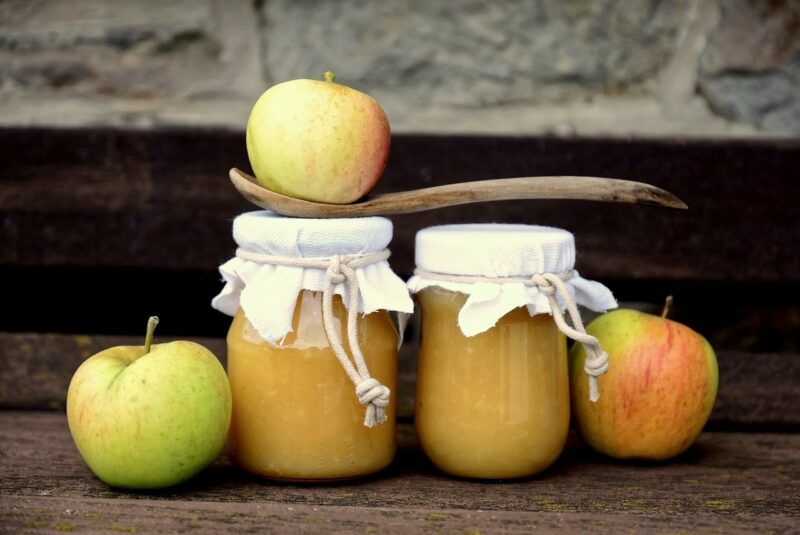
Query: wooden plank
35, 368
726, 478
48, 514
750, 316
161, 199
757, 391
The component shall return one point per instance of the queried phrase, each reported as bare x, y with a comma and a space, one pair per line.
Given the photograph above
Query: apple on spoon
316, 147
149, 416
318, 140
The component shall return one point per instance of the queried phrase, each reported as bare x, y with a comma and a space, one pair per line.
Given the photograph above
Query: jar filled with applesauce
492, 383
312, 349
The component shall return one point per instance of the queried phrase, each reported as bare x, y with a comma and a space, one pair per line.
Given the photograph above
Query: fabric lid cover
267, 294
502, 251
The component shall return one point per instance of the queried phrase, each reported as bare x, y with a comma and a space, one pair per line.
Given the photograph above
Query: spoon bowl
501, 189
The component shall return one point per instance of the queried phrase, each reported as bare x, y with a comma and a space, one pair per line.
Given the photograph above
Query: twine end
374, 417
594, 392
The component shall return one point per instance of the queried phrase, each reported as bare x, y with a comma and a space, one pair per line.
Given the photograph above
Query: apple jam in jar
492, 383
294, 412
312, 396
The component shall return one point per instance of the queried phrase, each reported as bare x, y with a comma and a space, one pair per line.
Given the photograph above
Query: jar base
311, 480
497, 478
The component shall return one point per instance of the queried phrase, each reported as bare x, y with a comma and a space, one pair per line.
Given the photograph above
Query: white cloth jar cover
278, 257
501, 267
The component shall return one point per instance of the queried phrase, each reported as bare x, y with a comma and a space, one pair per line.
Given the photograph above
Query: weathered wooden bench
101, 228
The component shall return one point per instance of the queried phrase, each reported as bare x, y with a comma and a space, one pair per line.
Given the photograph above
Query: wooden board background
162, 199
758, 391
101, 228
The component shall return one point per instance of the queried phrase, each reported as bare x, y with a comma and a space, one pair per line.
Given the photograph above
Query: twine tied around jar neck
550, 284
341, 269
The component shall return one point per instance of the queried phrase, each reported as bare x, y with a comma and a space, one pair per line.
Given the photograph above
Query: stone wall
586, 67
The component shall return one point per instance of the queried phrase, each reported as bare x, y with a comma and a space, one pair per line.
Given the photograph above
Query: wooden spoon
501, 189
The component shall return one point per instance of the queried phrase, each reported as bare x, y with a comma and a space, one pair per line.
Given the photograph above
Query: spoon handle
540, 187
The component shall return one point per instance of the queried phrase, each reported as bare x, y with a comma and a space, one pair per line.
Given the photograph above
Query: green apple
318, 140
147, 417
659, 390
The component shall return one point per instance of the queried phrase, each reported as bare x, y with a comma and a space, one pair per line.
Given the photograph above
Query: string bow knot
552, 286
596, 362
341, 269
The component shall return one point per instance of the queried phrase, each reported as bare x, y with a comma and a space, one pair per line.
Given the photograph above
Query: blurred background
119, 121
683, 68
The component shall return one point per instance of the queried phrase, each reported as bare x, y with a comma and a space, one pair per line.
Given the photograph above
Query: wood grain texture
727, 480
481, 191
757, 391
758, 318
162, 200
35, 368
53, 514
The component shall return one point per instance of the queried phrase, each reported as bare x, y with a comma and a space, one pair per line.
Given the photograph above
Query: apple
658, 392
147, 416
318, 140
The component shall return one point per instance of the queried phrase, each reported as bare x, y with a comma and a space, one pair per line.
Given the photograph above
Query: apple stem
667, 306
151, 327
329, 76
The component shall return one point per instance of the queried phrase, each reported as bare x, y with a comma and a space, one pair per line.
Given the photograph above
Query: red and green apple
658, 392
318, 140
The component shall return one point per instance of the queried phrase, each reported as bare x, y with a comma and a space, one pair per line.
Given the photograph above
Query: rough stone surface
751, 69
467, 53
585, 67
133, 58
48, 45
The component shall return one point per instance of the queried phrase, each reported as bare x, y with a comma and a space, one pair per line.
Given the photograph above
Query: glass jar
492, 397
312, 349
294, 413
494, 405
